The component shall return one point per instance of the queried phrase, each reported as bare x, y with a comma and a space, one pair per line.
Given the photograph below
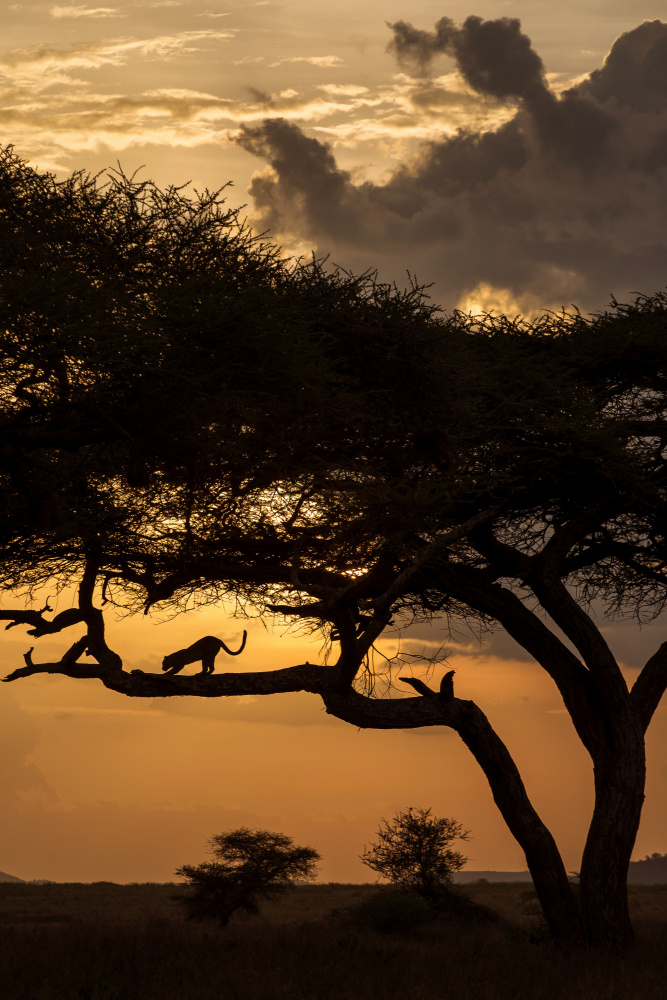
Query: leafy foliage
414, 849
193, 409
250, 866
175, 393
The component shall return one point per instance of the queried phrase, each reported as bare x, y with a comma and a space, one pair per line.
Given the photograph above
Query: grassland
116, 942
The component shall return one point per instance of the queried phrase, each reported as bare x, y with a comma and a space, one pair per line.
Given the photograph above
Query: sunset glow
337, 140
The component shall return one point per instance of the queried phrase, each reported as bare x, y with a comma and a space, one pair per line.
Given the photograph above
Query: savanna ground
130, 942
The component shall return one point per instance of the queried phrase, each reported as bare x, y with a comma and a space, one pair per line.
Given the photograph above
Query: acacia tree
186, 417
249, 866
414, 849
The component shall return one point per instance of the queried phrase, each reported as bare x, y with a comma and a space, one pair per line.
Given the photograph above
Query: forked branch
40, 626
650, 686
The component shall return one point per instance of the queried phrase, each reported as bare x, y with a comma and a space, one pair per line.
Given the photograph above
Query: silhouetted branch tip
447, 686
419, 686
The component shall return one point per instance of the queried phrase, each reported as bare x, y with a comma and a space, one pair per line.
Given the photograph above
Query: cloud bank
564, 201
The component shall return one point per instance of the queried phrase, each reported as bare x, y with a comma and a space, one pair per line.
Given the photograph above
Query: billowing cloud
565, 200
635, 71
495, 57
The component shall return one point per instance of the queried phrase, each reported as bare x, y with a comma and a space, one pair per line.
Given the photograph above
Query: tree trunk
543, 858
620, 775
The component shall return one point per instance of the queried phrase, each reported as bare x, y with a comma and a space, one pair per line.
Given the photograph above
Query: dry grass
111, 942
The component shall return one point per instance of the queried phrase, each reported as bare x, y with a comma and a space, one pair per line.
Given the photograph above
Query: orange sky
94, 786
97, 786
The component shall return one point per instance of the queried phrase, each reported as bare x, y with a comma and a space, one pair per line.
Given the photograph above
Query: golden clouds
325, 62
116, 93
343, 89
50, 105
44, 66
85, 12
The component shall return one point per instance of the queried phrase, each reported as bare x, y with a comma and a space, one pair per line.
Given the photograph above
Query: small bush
455, 904
403, 910
389, 910
414, 850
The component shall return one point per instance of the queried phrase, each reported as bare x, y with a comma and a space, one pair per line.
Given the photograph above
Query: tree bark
543, 858
620, 775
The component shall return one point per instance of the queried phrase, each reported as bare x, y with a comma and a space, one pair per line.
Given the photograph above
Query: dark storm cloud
495, 57
307, 172
497, 60
635, 71
416, 49
565, 202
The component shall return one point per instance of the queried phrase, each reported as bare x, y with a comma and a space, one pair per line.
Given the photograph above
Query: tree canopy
414, 849
188, 417
250, 866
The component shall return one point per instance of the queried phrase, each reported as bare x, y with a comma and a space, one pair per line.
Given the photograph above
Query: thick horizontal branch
315, 609
29, 617
138, 684
79, 671
324, 681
